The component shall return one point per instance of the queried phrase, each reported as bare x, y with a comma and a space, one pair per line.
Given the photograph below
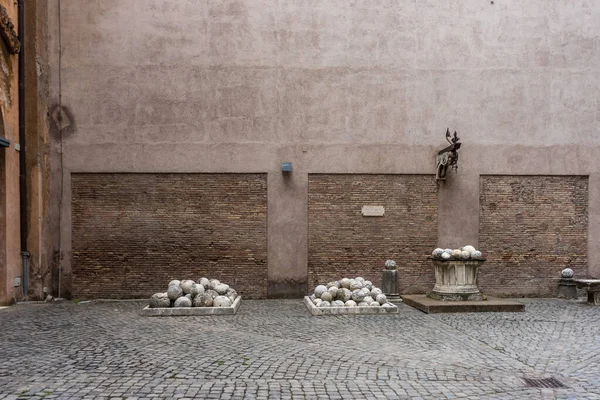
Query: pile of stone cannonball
349, 293
187, 293
464, 253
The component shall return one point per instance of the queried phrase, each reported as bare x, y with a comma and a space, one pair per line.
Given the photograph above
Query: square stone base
431, 306
365, 310
192, 311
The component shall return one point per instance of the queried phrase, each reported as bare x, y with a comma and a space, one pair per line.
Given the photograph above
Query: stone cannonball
319, 290
175, 282
465, 255
214, 283
344, 294
345, 283
356, 285
324, 304
366, 291
567, 273
448, 251
174, 292
376, 292
469, 248
360, 279
363, 304
160, 300
456, 253
374, 304
189, 296
326, 296
369, 285
334, 283
381, 298
221, 301
183, 302
350, 303
186, 285
232, 294
368, 299
221, 288
203, 300
196, 289
204, 282
437, 253
337, 303
212, 293
476, 254
358, 295
317, 301
333, 291
446, 255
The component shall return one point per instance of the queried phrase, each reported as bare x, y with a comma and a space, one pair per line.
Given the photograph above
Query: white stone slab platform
358, 310
192, 311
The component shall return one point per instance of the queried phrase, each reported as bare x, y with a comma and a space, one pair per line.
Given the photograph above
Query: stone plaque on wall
373, 211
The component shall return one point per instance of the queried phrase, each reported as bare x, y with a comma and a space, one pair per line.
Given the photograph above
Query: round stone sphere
214, 283
374, 304
363, 304
345, 283
183, 302
358, 295
204, 282
567, 273
212, 293
203, 300
437, 253
160, 300
368, 285
469, 248
368, 299
175, 282
324, 304
186, 285
333, 284
476, 254
221, 301
232, 294
376, 292
317, 301
319, 290
337, 303
386, 305
446, 255
326, 296
221, 288
333, 291
174, 292
344, 294
465, 255
356, 285
381, 298
196, 289
350, 303
360, 279
456, 253
366, 291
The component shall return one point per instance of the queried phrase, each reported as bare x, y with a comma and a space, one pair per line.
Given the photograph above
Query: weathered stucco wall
334, 87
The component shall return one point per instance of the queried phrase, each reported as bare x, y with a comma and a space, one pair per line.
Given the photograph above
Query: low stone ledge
432, 306
192, 311
357, 310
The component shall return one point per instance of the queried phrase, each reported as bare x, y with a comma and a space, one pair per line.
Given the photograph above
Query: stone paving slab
432, 306
192, 311
275, 349
314, 310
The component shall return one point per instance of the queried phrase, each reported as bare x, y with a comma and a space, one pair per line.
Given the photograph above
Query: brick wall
343, 243
530, 228
133, 233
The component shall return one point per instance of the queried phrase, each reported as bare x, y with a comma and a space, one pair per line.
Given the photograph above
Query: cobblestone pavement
276, 349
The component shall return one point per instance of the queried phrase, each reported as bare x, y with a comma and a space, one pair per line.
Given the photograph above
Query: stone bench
593, 289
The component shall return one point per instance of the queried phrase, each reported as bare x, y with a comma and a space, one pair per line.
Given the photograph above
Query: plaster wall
334, 87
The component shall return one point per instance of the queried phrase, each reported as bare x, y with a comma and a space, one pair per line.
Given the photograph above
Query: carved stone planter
456, 280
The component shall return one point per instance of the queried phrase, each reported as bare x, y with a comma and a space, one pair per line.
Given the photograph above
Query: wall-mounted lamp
447, 157
286, 167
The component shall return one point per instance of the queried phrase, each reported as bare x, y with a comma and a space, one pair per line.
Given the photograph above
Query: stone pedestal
389, 284
456, 280
567, 289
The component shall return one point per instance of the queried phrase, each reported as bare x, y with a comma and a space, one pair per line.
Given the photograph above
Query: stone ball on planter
203, 300
368, 299
324, 304
174, 292
333, 291
232, 294
366, 291
204, 282
381, 298
186, 285
358, 295
221, 301
465, 255
469, 248
183, 302
317, 301
160, 300
360, 279
212, 293
196, 289
350, 303
326, 296
333, 284
363, 304
344, 295
476, 254
456, 253
175, 282
374, 304
369, 285
345, 283
356, 285
319, 290
189, 296
337, 303
449, 251
437, 253
221, 288
376, 292
567, 273
446, 255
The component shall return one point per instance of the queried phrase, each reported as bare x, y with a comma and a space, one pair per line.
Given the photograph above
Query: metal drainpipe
22, 152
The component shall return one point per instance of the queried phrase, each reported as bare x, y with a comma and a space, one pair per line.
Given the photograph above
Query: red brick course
133, 233
530, 228
343, 243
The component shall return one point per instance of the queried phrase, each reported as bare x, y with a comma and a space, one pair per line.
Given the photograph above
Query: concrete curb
314, 310
192, 311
